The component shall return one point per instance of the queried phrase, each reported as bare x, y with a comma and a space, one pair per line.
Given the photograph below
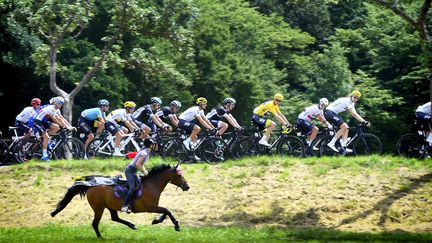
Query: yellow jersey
266, 108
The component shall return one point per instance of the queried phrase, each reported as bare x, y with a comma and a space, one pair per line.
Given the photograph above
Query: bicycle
231, 138
209, 147
414, 145
104, 146
285, 144
18, 148
361, 143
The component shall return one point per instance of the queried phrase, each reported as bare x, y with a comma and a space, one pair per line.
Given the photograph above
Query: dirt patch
295, 196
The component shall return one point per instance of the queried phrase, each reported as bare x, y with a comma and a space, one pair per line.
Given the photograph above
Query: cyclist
48, 121
332, 112
304, 120
119, 122
169, 113
23, 118
146, 113
187, 121
260, 120
93, 118
131, 169
215, 115
423, 115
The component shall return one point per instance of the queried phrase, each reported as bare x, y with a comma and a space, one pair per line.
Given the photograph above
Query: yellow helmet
201, 100
278, 97
129, 104
356, 93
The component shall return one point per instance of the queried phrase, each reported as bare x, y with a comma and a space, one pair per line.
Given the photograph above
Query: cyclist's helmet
59, 100
201, 100
52, 100
278, 96
103, 102
129, 104
176, 103
324, 101
229, 100
36, 101
148, 142
356, 93
156, 100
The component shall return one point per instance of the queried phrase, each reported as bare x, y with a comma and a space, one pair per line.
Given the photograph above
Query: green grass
120, 233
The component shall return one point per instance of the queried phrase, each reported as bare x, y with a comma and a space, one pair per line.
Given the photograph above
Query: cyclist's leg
220, 125
84, 126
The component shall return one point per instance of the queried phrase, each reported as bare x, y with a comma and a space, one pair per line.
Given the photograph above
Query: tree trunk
67, 109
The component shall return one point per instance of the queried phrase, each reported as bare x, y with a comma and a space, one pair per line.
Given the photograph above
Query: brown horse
101, 197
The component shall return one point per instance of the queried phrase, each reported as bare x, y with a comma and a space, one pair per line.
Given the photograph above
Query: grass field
263, 199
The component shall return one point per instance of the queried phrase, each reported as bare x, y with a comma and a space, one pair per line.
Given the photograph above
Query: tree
61, 28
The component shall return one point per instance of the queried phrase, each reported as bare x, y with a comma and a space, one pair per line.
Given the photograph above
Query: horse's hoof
177, 227
155, 221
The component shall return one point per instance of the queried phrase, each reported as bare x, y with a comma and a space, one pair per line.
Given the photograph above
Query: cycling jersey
191, 113
92, 114
118, 115
309, 113
143, 113
164, 114
217, 113
266, 108
45, 112
426, 108
26, 114
341, 104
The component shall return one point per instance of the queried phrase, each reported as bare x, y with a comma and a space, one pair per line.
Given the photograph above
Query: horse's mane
158, 169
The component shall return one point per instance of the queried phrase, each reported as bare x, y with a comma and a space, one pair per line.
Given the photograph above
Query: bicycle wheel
411, 145
28, 149
367, 144
316, 143
72, 148
174, 148
247, 146
213, 150
290, 146
4, 152
99, 148
325, 150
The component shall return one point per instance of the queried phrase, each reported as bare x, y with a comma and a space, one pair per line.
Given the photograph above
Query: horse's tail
71, 193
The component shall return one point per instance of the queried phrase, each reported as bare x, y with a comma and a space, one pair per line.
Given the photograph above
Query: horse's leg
157, 209
116, 218
97, 217
160, 220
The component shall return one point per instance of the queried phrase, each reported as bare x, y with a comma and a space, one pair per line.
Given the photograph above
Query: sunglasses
278, 100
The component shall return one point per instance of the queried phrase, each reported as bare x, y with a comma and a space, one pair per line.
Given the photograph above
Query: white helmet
59, 100
324, 101
52, 100
176, 103
229, 100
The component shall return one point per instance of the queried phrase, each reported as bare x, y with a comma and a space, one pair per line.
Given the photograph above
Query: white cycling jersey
47, 111
426, 108
118, 115
26, 114
191, 113
341, 104
310, 113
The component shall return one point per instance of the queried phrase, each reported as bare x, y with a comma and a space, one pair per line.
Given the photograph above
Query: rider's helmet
148, 142
201, 100
356, 93
59, 100
175, 103
229, 100
52, 100
278, 96
36, 101
129, 104
324, 101
103, 102
156, 100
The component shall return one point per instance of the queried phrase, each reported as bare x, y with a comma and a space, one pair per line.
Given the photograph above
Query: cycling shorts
304, 126
333, 118
187, 126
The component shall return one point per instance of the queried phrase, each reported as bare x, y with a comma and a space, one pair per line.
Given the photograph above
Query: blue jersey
92, 114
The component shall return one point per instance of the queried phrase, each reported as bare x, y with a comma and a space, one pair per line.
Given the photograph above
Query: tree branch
393, 6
